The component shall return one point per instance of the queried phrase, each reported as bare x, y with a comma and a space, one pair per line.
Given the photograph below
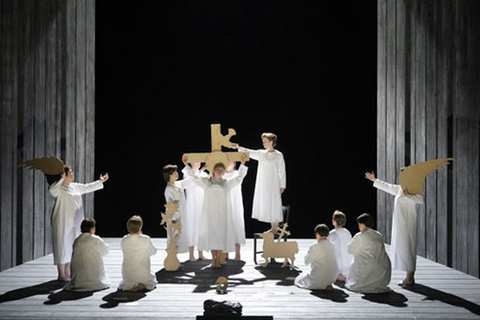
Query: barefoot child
87, 268
341, 237
270, 183
324, 265
137, 249
370, 270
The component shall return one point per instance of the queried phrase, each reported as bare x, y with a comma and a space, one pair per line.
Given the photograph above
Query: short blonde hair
340, 218
134, 224
271, 137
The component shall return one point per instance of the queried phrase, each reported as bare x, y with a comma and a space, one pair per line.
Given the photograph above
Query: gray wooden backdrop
47, 108
429, 107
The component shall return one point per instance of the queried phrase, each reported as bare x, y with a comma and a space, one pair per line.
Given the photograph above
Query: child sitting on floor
370, 270
324, 265
137, 249
341, 237
87, 268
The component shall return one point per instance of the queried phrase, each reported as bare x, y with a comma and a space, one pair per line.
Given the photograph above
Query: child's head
218, 170
134, 224
269, 138
366, 219
322, 230
87, 225
339, 219
168, 170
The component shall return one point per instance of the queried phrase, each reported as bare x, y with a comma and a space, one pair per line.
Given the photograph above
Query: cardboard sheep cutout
279, 249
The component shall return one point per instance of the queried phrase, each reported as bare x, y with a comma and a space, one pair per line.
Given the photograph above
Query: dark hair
53, 178
322, 230
87, 224
134, 224
340, 218
366, 219
167, 171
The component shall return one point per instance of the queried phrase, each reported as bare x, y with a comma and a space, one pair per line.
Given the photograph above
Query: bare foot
192, 259
406, 282
64, 279
329, 287
237, 258
341, 277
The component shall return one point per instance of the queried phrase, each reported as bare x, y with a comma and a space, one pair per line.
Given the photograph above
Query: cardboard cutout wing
413, 177
48, 165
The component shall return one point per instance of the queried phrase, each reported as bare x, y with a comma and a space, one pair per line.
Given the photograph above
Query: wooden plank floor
29, 292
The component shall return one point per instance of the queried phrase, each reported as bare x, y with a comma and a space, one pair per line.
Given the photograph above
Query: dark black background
305, 70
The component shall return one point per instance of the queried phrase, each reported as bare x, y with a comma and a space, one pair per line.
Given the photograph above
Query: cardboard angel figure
68, 210
404, 221
174, 230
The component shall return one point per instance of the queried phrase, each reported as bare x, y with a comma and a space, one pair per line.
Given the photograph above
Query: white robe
341, 237
404, 226
370, 270
216, 232
176, 192
67, 216
271, 176
87, 268
137, 250
194, 207
324, 270
237, 209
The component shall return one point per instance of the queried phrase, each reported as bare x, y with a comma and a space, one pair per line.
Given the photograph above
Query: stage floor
28, 291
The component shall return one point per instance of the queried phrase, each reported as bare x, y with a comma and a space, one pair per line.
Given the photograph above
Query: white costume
324, 267
87, 268
271, 176
67, 216
237, 209
341, 237
404, 226
137, 250
370, 271
216, 232
193, 211
175, 192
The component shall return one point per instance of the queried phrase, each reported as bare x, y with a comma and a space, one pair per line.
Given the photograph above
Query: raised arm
393, 189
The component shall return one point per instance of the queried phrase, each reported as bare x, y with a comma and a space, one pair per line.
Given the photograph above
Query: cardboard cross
282, 231
217, 156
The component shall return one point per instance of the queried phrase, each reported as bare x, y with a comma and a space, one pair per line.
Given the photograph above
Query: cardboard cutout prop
222, 285
217, 156
174, 229
283, 249
412, 178
48, 165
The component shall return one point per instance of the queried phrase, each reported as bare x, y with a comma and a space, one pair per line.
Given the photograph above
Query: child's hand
243, 159
185, 159
235, 146
370, 176
104, 178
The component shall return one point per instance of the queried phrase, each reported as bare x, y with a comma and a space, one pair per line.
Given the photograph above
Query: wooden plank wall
428, 107
47, 102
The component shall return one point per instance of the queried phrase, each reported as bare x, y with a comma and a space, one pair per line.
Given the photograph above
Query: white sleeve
281, 172
89, 187
242, 172
393, 189
54, 189
254, 154
355, 245
195, 178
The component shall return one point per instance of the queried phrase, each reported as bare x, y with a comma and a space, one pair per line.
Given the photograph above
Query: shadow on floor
39, 289
336, 295
58, 297
115, 298
391, 298
448, 298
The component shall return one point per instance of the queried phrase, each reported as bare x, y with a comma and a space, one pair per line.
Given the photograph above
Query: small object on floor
223, 308
222, 285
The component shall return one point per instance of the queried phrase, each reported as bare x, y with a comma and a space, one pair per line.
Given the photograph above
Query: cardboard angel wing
48, 165
412, 178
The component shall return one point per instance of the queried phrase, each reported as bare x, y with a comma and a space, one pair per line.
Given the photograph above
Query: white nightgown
194, 194
271, 176
324, 270
404, 226
216, 232
370, 270
341, 237
87, 268
67, 216
137, 250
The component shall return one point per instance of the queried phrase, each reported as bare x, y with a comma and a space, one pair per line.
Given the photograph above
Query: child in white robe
216, 232
87, 267
404, 228
324, 265
370, 270
175, 191
195, 195
270, 183
137, 249
237, 211
67, 216
341, 237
